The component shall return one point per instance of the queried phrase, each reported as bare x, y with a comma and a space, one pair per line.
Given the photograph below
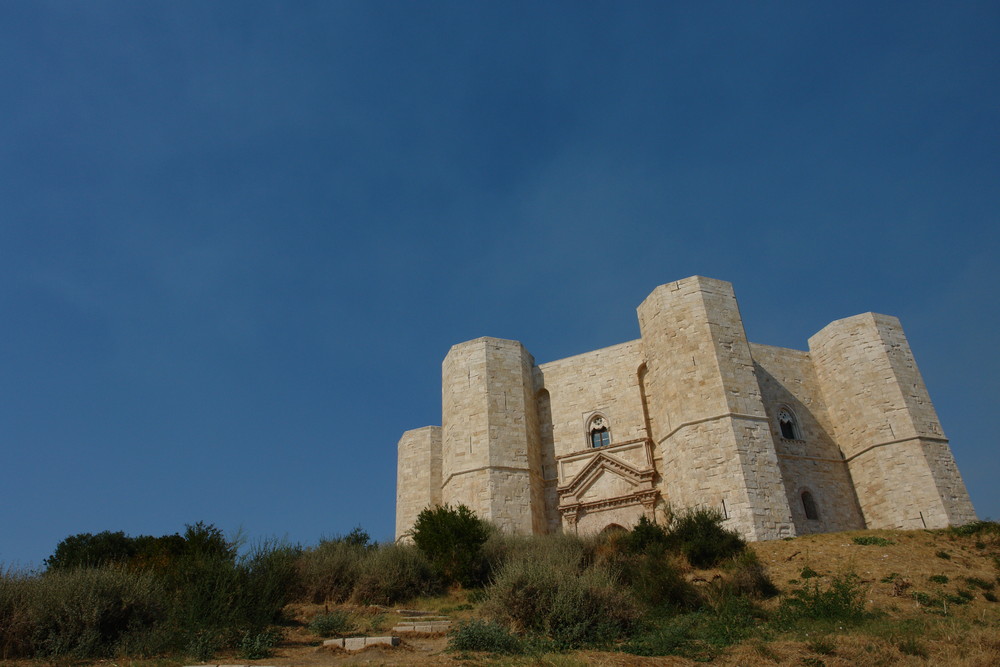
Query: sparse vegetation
873, 540
684, 587
330, 624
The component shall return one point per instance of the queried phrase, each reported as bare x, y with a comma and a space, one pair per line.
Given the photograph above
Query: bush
394, 573
646, 535
16, 626
700, 635
699, 535
476, 635
257, 645
572, 607
658, 581
328, 625
747, 576
87, 613
977, 528
842, 601
329, 571
452, 540
212, 591
87, 550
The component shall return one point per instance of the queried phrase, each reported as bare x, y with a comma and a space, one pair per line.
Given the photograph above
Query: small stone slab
415, 612
358, 643
422, 626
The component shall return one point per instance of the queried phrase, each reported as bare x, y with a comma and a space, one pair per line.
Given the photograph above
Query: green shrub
87, 613
16, 627
938, 578
452, 539
699, 535
257, 645
808, 573
330, 624
212, 590
658, 581
701, 635
976, 582
476, 635
143, 552
746, 576
645, 535
87, 550
329, 571
944, 555
842, 601
873, 540
572, 607
394, 573
977, 528
203, 645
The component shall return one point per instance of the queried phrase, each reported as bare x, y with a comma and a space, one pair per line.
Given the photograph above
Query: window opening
809, 505
788, 425
600, 438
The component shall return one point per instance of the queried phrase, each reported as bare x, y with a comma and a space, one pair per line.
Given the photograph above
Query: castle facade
782, 442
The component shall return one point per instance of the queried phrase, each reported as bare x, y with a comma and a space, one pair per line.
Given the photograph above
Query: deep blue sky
238, 238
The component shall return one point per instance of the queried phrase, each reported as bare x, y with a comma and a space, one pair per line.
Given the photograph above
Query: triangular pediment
606, 471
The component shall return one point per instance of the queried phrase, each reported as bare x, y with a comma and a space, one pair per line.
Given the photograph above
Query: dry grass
908, 633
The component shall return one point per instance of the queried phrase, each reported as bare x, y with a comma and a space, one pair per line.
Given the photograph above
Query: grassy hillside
858, 598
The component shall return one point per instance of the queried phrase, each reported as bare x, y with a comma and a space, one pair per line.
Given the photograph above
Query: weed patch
331, 624
485, 636
873, 540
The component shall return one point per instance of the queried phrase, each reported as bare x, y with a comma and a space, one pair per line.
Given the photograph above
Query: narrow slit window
809, 505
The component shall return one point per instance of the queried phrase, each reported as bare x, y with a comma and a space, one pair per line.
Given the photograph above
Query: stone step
422, 626
416, 612
358, 643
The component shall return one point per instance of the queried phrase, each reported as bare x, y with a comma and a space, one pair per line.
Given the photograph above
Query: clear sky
238, 238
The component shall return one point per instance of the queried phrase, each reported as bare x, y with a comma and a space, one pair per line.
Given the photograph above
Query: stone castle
782, 442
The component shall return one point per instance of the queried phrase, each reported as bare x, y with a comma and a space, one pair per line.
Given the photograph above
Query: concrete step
422, 626
358, 643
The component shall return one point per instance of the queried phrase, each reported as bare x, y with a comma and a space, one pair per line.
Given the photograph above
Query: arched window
809, 505
600, 436
788, 425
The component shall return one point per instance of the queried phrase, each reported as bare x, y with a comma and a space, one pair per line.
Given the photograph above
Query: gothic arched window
788, 425
600, 436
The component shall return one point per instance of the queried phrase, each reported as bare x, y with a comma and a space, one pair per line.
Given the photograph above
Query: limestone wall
813, 462
418, 475
705, 408
604, 381
869, 447
885, 424
491, 458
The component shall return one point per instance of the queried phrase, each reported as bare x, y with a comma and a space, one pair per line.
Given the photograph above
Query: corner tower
490, 440
705, 410
899, 459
